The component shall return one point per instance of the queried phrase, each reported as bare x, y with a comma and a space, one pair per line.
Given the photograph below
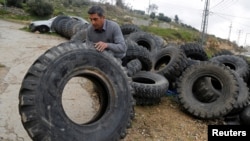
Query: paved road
18, 50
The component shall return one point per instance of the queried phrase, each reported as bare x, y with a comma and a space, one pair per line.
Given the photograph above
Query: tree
152, 15
102, 1
40, 8
152, 8
161, 17
119, 3
15, 3
176, 19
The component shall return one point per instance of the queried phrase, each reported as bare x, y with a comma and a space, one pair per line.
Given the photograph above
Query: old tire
133, 67
194, 51
54, 25
129, 28
236, 63
245, 116
144, 39
135, 51
40, 105
223, 52
148, 84
221, 105
169, 62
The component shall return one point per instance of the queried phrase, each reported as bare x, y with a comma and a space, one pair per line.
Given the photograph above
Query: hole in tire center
207, 89
144, 80
162, 63
231, 66
144, 44
80, 100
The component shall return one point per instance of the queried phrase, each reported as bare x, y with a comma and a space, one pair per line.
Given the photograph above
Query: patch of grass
172, 34
3, 12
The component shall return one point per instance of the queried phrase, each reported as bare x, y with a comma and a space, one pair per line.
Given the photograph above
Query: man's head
96, 16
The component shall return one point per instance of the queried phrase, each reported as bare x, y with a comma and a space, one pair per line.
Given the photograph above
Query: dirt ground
19, 49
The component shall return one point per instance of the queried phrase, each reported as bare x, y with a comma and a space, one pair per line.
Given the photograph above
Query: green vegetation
173, 34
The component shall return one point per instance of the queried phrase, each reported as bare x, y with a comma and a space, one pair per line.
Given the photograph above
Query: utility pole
230, 29
204, 22
148, 6
246, 40
239, 38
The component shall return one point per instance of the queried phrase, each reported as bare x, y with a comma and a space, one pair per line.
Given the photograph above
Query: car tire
43, 29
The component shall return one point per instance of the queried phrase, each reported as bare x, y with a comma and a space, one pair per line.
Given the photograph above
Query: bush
15, 3
40, 8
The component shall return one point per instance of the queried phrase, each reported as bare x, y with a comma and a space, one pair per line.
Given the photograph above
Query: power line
217, 4
235, 16
225, 5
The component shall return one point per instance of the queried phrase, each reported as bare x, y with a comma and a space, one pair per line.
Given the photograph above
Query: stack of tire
219, 83
67, 26
153, 65
156, 66
206, 88
215, 88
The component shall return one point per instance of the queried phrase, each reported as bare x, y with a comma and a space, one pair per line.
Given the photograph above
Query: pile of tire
67, 26
152, 64
207, 88
215, 88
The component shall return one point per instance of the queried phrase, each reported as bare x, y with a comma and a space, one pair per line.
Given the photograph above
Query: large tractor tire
211, 108
40, 99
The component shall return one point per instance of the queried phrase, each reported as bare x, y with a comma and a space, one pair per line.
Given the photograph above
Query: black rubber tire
194, 51
40, 105
204, 89
212, 109
144, 39
245, 116
223, 52
169, 62
129, 28
211, 90
133, 67
79, 26
67, 28
243, 99
234, 62
135, 51
43, 29
80, 35
72, 31
55, 22
147, 101
61, 24
160, 42
148, 84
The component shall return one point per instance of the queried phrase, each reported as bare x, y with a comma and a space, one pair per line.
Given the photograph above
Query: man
105, 34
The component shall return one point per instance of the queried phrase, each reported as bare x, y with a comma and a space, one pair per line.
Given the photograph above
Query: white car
44, 26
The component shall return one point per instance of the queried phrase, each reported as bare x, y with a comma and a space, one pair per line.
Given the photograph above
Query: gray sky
222, 14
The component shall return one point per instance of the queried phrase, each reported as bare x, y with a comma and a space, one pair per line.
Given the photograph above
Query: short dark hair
96, 10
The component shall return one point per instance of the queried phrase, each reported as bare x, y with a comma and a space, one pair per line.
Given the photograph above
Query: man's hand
101, 46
